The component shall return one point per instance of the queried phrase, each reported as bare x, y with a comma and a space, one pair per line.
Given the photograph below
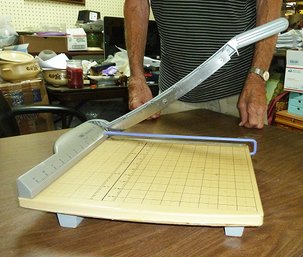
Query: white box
294, 71
76, 39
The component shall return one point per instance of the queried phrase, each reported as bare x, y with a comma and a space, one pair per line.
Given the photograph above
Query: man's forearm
267, 10
136, 14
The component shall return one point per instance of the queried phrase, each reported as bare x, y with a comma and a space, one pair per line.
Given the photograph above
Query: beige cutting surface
160, 182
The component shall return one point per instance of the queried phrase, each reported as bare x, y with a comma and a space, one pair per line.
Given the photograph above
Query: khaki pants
227, 105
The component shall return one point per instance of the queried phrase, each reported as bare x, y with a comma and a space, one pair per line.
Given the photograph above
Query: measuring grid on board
195, 175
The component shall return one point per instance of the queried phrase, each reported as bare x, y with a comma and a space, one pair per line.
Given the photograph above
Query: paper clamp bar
184, 137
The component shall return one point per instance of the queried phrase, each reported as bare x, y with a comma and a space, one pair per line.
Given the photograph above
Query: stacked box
75, 41
294, 71
295, 103
293, 81
29, 92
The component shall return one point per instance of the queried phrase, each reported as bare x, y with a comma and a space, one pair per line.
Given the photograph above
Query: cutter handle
261, 32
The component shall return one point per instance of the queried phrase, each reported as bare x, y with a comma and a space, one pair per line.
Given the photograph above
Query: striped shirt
191, 31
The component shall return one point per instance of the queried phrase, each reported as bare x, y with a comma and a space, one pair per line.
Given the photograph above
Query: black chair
8, 122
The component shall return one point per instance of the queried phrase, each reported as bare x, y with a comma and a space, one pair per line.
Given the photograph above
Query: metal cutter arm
197, 76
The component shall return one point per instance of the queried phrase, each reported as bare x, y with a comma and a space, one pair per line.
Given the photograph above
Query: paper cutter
99, 172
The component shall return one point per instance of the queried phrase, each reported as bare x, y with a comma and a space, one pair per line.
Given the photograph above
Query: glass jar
74, 73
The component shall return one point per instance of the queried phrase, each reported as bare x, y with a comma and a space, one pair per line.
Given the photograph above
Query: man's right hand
139, 93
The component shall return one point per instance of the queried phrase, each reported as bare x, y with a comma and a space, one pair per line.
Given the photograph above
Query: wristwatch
264, 74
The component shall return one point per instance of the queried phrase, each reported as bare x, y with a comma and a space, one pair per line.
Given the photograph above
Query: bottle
74, 73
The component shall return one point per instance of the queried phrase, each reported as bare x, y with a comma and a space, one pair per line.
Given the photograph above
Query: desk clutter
28, 92
18, 66
92, 37
55, 44
58, 70
22, 85
35, 75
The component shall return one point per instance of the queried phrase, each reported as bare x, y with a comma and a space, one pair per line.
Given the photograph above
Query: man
191, 31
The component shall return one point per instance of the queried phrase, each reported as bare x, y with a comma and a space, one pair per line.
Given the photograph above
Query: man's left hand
252, 102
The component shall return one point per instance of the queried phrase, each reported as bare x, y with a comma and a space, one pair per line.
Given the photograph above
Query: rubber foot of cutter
69, 221
234, 231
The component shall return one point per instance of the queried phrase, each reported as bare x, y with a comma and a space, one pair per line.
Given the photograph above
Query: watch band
262, 73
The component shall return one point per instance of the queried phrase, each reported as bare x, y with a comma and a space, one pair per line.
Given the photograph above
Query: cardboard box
295, 103
38, 44
29, 92
75, 41
294, 71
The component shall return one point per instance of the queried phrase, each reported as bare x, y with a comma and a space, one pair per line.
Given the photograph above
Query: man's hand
139, 93
252, 102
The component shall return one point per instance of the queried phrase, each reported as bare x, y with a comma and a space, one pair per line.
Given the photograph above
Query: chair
8, 122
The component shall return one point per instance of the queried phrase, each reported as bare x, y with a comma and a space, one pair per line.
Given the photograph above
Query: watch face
266, 75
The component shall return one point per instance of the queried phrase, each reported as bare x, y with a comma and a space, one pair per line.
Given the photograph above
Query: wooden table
278, 166
77, 96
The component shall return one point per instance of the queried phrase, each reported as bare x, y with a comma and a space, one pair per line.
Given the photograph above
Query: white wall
31, 13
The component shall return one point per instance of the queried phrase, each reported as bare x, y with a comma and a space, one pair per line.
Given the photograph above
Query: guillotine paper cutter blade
223, 196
